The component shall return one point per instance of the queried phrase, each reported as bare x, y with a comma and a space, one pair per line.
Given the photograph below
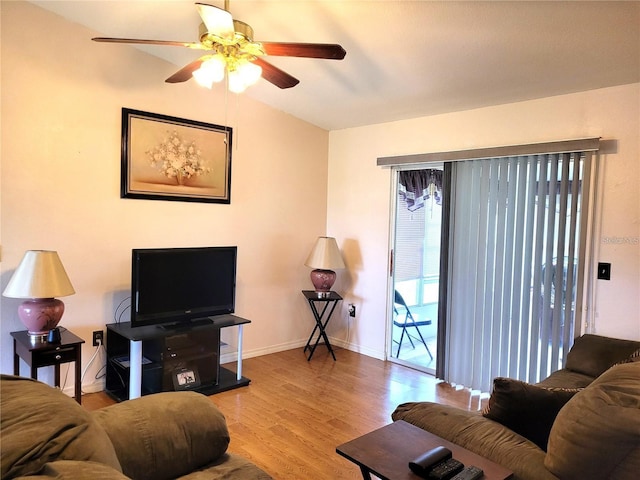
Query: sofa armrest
597, 433
41, 424
594, 354
165, 435
480, 435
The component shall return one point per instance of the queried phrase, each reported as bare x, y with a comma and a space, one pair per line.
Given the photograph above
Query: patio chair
407, 321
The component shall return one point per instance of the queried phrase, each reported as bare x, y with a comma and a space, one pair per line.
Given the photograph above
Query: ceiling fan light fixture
243, 76
236, 85
211, 71
250, 73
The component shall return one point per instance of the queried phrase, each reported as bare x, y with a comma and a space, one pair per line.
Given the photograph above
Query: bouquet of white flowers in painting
178, 158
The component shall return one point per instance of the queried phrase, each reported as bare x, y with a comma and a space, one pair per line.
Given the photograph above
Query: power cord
117, 317
99, 348
349, 317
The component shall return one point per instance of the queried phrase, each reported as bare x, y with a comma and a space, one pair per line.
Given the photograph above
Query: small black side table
44, 354
329, 301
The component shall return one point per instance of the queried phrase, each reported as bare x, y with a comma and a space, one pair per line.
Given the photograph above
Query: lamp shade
39, 275
325, 255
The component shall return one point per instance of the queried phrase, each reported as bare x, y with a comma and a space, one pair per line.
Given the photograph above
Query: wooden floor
294, 413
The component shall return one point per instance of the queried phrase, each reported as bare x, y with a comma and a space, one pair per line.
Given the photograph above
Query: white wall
359, 195
62, 96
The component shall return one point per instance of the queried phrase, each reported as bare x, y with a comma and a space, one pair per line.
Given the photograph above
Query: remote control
446, 469
470, 473
422, 465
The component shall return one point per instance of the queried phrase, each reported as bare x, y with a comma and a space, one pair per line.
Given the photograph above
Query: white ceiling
404, 59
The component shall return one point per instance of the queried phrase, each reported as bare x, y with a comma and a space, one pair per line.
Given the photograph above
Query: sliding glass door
415, 272
488, 261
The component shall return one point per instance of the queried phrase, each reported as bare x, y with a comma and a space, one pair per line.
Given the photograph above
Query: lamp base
323, 281
37, 338
40, 315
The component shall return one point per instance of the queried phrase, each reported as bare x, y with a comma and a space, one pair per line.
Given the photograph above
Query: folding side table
329, 304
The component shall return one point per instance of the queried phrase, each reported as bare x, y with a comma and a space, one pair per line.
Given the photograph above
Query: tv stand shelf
149, 359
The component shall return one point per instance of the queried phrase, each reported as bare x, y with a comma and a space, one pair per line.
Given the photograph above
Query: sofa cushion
566, 378
526, 409
40, 424
597, 433
593, 354
165, 435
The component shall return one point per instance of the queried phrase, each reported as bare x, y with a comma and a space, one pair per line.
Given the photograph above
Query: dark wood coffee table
386, 453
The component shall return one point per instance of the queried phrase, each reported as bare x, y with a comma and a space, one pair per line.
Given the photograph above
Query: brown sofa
581, 422
46, 434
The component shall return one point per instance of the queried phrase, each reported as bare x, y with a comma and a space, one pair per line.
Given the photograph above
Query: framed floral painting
170, 158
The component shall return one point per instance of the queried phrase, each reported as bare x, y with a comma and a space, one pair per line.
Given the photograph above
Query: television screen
179, 285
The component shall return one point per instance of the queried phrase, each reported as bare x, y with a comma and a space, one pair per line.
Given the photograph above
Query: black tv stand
194, 322
145, 360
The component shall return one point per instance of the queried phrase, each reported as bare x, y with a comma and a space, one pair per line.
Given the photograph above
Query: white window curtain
515, 258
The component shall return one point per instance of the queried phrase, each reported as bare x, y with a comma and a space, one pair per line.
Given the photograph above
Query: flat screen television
173, 287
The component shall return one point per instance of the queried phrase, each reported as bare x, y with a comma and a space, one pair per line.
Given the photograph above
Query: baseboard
233, 356
357, 348
93, 387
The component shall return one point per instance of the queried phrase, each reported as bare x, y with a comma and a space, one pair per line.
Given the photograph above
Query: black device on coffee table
436, 464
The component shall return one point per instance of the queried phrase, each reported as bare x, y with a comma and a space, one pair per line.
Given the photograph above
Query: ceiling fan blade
309, 50
185, 73
218, 21
279, 78
197, 46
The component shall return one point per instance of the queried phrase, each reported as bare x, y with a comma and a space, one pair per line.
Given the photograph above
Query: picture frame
186, 379
175, 159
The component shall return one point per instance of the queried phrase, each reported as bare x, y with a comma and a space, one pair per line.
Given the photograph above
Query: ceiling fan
231, 49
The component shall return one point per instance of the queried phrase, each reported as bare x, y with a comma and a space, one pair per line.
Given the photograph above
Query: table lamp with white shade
39, 278
324, 258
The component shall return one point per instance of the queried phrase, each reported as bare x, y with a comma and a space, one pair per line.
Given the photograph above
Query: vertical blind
513, 262
409, 240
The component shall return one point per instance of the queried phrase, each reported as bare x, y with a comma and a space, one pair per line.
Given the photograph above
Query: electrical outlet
98, 336
604, 271
352, 310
